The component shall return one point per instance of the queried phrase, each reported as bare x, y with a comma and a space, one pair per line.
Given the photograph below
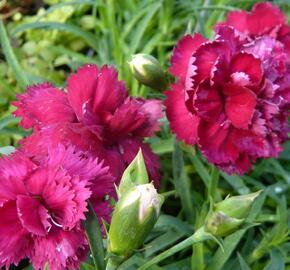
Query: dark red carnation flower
264, 19
95, 114
231, 97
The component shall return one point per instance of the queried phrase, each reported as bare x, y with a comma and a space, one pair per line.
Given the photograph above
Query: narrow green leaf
142, 26
182, 183
88, 37
11, 58
236, 182
243, 264
277, 261
213, 184
86, 266
200, 168
166, 222
162, 242
95, 239
8, 120
180, 265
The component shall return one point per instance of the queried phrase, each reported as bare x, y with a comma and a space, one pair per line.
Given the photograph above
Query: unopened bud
228, 215
147, 70
220, 224
237, 206
134, 216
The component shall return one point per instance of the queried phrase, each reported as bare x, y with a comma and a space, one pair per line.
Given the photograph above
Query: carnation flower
43, 203
95, 114
231, 97
264, 19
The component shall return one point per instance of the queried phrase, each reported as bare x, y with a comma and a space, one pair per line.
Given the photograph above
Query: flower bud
228, 215
220, 224
134, 216
237, 206
147, 70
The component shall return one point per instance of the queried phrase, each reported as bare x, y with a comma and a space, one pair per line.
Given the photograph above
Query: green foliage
52, 43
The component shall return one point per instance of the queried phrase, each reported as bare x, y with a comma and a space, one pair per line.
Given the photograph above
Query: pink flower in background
42, 204
231, 97
95, 114
264, 19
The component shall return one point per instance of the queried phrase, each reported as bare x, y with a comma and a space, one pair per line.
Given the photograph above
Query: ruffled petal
238, 19
208, 102
43, 104
249, 65
95, 89
264, 17
218, 141
182, 122
32, 215
15, 242
12, 170
152, 113
182, 55
206, 58
60, 249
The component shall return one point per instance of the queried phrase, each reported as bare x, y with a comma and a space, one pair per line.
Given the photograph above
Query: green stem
199, 236
11, 58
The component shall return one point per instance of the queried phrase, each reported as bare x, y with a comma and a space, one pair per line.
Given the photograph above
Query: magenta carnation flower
264, 19
95, 114
231, 97
43, 203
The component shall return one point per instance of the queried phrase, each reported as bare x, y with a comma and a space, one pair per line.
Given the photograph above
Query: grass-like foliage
47, 43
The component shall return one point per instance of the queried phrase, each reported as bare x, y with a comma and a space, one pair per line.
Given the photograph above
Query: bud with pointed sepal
134, 216
237, 206
147, 70
228, 215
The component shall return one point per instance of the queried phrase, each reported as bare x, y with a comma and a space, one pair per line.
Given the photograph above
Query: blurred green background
47, 40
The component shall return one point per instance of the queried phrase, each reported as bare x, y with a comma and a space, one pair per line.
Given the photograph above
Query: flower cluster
42, 204
83, 139
94, 114
232, 94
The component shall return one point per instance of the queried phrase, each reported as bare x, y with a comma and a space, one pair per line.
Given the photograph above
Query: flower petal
249, 65
182, 54
240, 105
15, 242
32, 215
208, 102
99, 89
43, 104
182, 122
264, 17
218, 141
60, 249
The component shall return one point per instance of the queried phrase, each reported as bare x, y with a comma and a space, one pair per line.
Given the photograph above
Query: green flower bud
147, 70
220, 224
228, 215
134, 216
237, 206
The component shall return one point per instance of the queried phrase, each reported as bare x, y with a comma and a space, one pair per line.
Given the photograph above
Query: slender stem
199, 236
